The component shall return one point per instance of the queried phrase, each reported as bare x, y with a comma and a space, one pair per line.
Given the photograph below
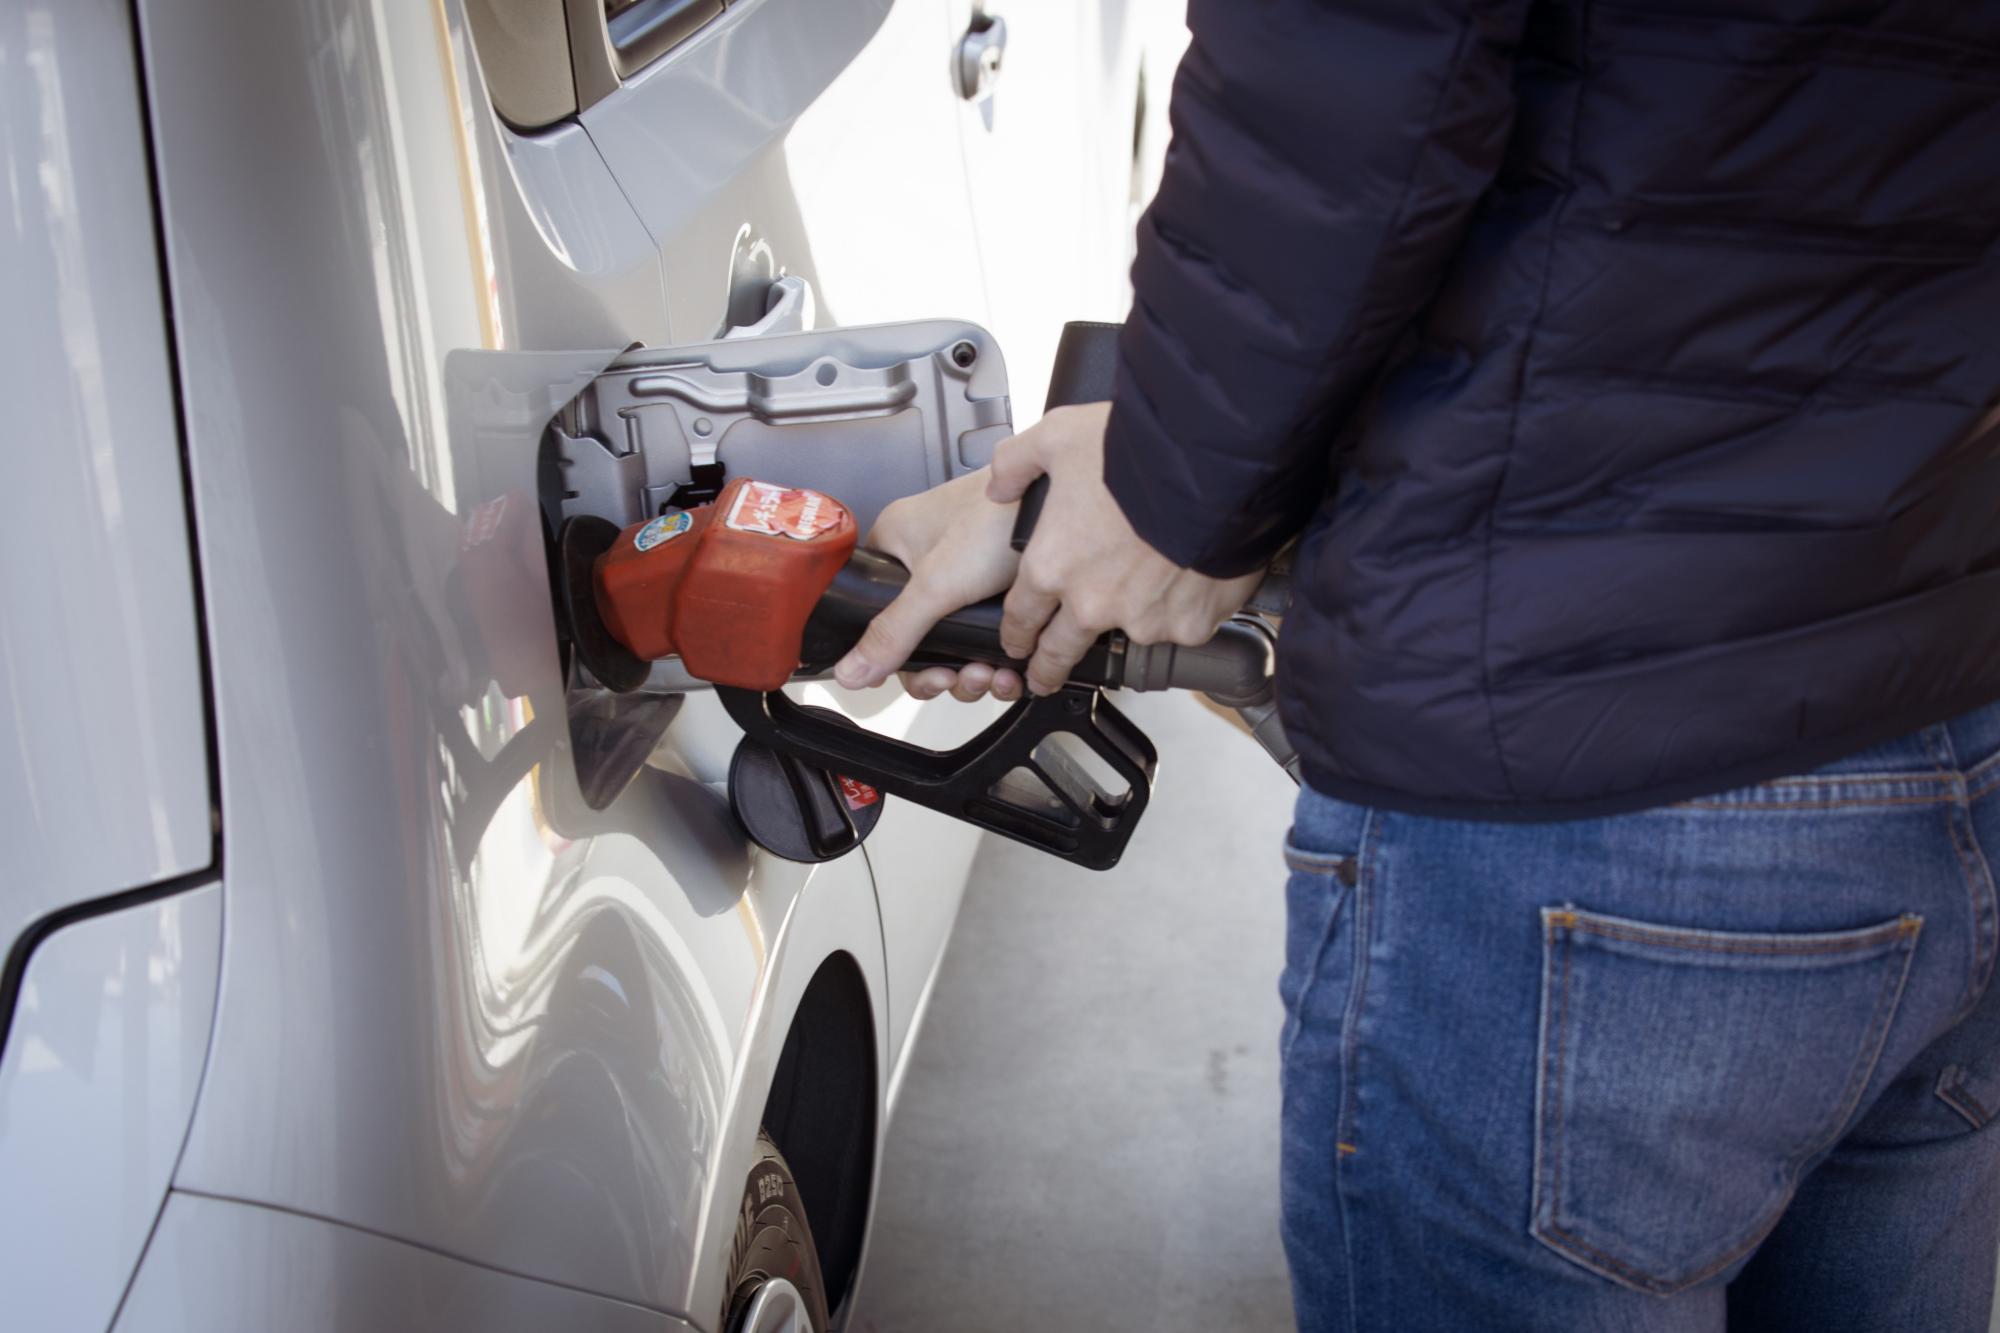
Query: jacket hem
1792, 761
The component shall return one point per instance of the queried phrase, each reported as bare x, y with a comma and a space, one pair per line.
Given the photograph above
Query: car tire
773, 1251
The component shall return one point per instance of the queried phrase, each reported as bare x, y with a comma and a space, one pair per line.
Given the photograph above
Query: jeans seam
1364, 922
1312, 972
1986, 915
1981, 908
1868, 1060
1952, 1091
1976, 978
1363, 897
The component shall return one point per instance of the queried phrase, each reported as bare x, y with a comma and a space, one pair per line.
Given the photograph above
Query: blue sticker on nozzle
664, 528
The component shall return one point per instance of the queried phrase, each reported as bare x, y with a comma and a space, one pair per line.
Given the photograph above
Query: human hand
1086, 570
955, 542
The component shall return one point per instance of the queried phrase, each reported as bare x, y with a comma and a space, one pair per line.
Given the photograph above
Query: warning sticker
778, 512
858, 795
664, 528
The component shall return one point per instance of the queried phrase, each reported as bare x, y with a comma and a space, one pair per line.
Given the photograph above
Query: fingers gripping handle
871, 580
1235, 666
1085, 371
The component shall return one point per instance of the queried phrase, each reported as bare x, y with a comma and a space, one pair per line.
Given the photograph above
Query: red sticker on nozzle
858, 795
778, 512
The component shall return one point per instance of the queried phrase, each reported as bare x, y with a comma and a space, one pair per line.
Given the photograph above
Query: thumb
888, 641
1016, 464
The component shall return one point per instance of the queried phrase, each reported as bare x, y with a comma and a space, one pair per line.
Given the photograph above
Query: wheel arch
823, 1113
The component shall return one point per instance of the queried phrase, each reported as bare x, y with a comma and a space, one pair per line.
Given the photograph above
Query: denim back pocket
1687, 1078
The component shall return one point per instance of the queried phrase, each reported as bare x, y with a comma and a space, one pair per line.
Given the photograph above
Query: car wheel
774, 1284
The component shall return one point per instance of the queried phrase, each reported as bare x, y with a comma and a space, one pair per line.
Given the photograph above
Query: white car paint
475, 1046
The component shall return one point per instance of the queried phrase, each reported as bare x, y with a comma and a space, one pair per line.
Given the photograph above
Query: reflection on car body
426, 1031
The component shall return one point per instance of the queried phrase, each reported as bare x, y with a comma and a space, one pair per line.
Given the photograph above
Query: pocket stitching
1556, 1237
1562, 1053
1695, 941
1976, 775
1830, 803
1365, 865
1951, 1090
1884, 778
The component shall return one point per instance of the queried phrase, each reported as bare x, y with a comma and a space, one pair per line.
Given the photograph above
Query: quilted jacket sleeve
1325, 158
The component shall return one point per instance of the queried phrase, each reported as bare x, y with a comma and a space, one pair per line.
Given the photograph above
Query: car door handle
979, 53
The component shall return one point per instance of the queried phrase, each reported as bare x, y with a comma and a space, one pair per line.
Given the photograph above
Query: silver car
367, 966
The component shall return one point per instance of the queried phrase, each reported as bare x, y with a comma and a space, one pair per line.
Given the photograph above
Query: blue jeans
1727, 1063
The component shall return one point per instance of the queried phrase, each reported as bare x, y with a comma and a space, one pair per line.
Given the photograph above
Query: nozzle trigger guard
1029, 776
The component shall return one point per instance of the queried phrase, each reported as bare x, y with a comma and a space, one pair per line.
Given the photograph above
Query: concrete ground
1087, 1135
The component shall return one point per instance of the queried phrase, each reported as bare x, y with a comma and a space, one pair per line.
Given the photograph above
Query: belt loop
1943, 753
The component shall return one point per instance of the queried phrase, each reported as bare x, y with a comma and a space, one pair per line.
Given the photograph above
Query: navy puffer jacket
1631, 369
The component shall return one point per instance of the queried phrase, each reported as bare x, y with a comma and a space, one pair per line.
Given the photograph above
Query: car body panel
406, 925
1064, 65
103, 1059
218, 1266
104, 782
790, 131
459, 1007
462, 1014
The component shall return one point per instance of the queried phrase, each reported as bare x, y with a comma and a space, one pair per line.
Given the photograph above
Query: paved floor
1087, 1138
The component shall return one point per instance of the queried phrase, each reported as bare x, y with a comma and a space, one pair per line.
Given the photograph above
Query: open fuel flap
866, 414
707, 504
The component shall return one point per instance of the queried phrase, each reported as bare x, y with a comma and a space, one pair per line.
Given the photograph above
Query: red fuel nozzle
768, 580
728, 586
